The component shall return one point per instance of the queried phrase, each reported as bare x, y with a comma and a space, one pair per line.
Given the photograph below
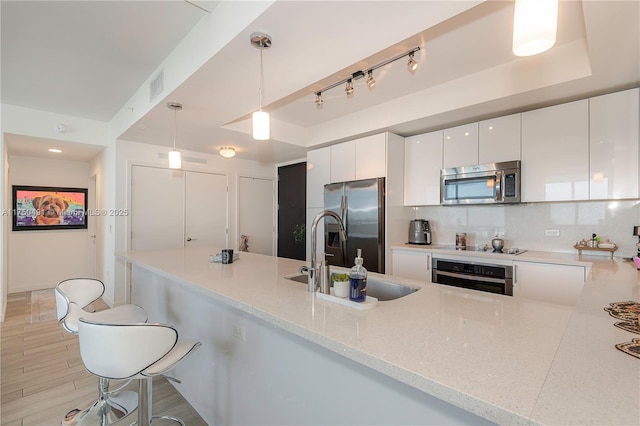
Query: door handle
191, 239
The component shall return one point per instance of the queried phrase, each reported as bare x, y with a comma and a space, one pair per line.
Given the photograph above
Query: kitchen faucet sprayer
313, 269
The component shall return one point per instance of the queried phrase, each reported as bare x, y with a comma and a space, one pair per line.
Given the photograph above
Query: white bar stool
133, 351
72, 296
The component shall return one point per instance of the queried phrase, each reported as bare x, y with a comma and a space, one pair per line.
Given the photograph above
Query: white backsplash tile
524, 225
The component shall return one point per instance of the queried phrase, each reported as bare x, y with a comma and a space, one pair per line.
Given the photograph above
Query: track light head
349, 88
319, 100
412, 65
370, 81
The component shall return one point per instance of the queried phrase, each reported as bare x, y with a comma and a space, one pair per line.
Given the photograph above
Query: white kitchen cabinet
547, 282
613, 154
422, 162
555, 153
499, 139
371, 156
412, 264
460, 146
343, 162
318, 175
363, 158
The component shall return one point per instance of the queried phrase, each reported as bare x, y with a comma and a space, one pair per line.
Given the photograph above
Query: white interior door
206, 210
256, 205
157, 208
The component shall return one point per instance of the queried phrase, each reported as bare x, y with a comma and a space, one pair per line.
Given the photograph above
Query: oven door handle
470, 277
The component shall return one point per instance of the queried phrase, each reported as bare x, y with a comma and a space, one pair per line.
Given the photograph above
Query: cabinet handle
428, 262
515, 274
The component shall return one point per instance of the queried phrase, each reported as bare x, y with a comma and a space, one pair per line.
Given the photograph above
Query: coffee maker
419, 232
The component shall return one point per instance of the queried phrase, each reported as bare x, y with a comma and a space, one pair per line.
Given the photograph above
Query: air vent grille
157, 86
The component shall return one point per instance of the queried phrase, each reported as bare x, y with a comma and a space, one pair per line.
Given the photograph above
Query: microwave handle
499, 196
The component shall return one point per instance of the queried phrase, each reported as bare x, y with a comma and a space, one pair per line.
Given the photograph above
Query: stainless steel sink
381, 290
299, 278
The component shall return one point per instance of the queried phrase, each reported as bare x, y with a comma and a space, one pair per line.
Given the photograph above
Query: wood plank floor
42, 376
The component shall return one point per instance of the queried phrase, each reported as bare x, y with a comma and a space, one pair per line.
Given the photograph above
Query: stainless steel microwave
494, 183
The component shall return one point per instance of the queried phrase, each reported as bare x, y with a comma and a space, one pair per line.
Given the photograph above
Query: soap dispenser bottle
358, 280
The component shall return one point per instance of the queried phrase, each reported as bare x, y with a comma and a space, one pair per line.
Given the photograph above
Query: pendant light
175, 161
535, 24
261, 126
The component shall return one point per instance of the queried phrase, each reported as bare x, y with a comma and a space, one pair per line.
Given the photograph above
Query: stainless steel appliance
360, 204
494, 183
492, 278
419, 232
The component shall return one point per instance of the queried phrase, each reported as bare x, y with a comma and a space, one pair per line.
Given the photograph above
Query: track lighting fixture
261, 125
371, 82
175, 160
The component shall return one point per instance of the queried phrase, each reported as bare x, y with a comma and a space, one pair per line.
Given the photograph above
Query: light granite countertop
508, 360
527, 256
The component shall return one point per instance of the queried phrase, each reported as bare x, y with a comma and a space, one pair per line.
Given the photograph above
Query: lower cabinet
412, 264
546, 282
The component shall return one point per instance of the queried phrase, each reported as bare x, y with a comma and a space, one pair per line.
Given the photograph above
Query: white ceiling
87, 59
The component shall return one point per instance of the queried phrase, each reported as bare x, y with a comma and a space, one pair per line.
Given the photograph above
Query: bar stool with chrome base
133, 351
72, 296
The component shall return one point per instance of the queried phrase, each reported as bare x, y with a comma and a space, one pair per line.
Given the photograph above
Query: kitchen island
274, 353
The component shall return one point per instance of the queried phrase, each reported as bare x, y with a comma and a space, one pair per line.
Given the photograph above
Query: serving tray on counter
369, 303
611, 250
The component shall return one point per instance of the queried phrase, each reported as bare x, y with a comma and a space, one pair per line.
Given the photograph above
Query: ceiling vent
157, 86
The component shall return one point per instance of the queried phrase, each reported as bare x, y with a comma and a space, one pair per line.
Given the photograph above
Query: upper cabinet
460, 146
422, 164
499, 139
362, 158
555, 153
318, 175
614, 141
343, 162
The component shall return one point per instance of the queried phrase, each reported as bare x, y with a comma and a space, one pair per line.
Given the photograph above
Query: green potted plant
299, 233
340, 285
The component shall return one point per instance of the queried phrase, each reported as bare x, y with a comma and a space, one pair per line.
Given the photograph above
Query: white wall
129, 153
40, 124
524, 225
41, 259
4, 228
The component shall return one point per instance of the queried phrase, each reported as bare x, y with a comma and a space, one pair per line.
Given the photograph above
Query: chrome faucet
313, 269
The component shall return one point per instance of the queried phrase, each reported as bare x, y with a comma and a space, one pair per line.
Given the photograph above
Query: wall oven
492, 278
494, 183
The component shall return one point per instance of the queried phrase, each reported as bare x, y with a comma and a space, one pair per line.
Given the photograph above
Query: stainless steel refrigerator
360, 204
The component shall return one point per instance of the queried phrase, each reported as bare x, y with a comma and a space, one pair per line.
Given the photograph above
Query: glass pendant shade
175, 161
535, 24
261, 125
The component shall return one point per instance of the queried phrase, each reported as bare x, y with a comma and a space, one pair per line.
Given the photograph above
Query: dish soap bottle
358, 280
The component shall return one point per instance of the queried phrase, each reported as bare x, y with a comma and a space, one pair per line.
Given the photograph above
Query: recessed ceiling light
57, 150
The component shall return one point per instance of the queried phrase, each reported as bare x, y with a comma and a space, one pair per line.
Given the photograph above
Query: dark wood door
292, 210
